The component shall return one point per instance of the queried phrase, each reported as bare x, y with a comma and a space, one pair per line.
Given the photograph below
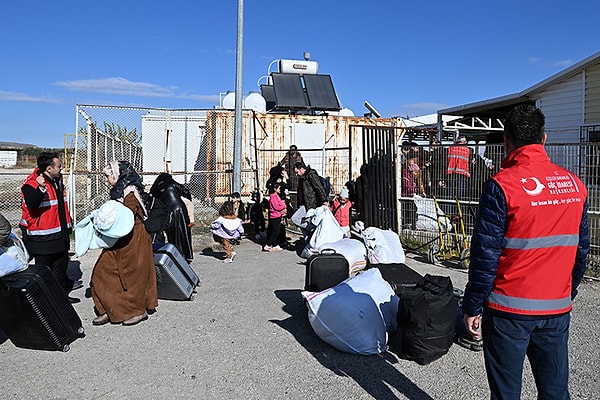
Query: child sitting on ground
226, 228
340, 208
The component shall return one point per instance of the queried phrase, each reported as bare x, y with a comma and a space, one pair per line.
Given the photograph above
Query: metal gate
376, 185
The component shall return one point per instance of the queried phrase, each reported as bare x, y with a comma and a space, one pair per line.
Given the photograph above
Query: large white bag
327, 230
353, 250
427, 217
13, 255
356, 315
383, 246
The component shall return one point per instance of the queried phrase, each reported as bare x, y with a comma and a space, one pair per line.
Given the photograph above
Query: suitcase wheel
66, 348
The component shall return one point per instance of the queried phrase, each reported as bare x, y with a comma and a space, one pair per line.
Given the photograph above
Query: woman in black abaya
171, 193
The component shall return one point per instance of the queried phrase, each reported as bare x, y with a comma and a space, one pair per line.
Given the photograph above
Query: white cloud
119, 86
562, 64
124, 87
14, 96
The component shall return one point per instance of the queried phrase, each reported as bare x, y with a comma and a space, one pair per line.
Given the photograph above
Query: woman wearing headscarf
123, 281
176, 197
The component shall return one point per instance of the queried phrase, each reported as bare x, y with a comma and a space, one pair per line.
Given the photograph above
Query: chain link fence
196, 147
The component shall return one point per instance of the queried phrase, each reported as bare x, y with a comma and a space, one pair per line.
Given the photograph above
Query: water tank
298, 67
346, 112
229, 101
254, 101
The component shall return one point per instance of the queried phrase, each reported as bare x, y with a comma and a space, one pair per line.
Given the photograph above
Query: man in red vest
528, 255
459, 168
45, 219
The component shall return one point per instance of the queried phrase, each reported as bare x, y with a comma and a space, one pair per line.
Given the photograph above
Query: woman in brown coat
123, 281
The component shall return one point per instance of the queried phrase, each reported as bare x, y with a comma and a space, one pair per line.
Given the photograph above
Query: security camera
372, 110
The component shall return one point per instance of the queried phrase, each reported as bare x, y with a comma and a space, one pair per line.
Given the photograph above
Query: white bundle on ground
383, 246
427, 216
327, 230
353, 250
356, 315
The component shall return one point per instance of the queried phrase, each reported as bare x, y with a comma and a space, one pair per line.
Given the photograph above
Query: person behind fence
341, 208
436, 168
277, 212
123, 282
528, 256
459, 167
227, 227
46, 221
178, 200
256, 215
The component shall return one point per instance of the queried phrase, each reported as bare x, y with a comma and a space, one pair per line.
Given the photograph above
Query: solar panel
269, 95
320, 92
289, 93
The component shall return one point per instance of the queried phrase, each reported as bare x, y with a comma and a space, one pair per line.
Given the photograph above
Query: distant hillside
14, 145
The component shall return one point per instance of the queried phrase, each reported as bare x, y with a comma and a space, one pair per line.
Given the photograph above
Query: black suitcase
399, 276
325, 270
175, 278
35, 313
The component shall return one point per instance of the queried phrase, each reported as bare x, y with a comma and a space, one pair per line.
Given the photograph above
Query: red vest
544, 209
43, 220
459, 158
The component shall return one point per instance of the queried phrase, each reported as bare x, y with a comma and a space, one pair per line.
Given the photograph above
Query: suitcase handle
328, 251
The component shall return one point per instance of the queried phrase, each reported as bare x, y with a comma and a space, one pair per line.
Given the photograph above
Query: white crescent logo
538, 186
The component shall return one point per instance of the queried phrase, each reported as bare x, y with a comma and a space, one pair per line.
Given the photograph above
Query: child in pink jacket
340, 208
277, 211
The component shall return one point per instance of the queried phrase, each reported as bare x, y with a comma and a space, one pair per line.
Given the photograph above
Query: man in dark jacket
45, 219
528, 255
311, 193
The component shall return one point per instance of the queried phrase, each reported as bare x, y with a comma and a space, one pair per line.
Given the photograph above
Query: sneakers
272, 248
229, 260
263, 234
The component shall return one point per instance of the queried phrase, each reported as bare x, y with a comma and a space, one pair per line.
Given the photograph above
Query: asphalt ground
246, 336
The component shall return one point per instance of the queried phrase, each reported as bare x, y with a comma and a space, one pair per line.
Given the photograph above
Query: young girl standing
277, 210
226, 228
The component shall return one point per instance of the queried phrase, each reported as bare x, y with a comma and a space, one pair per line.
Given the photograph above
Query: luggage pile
384, 306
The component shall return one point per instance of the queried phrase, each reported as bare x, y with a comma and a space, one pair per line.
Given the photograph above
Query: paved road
246, 336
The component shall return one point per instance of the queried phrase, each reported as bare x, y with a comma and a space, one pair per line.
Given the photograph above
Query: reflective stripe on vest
541, 242
515, 303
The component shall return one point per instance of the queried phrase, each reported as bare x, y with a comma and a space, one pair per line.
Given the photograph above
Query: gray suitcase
175, 278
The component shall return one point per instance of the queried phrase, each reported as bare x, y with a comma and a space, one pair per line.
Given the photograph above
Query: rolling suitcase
175, 278
35, 313
325, 270
398, 276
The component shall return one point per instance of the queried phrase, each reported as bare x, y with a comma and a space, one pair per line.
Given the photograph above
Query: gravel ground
246, 336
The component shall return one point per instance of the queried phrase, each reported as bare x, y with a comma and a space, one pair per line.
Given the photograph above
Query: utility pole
237, 140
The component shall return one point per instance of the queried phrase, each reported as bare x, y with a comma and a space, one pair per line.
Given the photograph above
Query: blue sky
407, 58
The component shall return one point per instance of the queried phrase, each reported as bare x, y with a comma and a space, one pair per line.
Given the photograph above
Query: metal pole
237, 140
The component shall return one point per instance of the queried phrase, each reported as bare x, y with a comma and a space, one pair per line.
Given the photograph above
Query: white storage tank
229, 101
298, 67
255, 101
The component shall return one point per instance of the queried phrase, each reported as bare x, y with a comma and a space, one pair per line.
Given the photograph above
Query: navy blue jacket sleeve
486, 247
583, 248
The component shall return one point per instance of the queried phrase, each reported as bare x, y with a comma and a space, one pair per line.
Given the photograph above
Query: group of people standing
123, 281
445, 171
527, 257
310, 193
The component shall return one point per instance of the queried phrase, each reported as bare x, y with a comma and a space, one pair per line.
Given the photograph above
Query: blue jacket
486, 247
